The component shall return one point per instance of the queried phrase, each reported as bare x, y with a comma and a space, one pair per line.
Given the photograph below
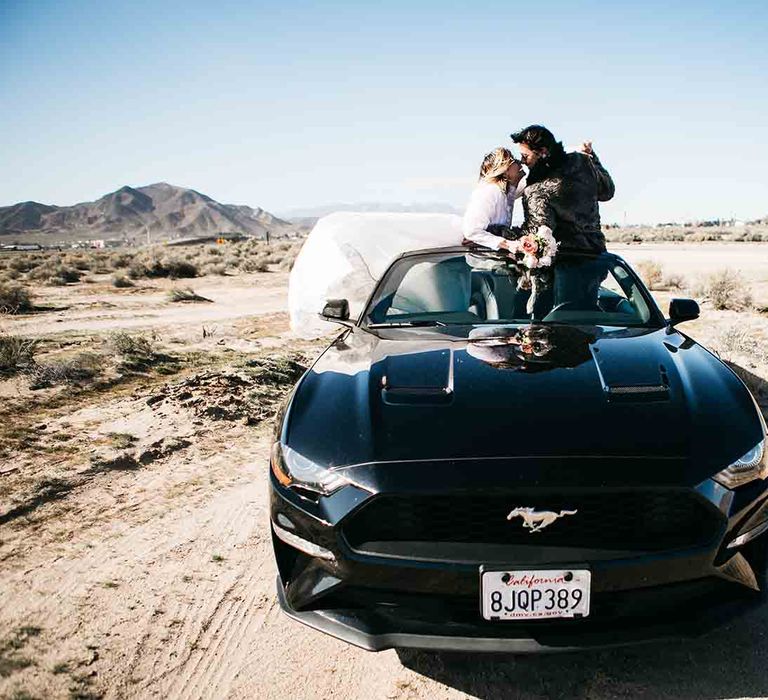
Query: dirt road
160, 583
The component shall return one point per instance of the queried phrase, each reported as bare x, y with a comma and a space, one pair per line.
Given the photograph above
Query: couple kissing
560, 192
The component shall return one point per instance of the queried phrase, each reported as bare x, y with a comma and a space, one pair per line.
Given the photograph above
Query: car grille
629, 520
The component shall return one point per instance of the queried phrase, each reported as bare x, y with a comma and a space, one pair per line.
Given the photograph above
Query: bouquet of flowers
532, 255
535, 249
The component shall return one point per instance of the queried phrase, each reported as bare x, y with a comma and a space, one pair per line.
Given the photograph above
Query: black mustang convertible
495, 460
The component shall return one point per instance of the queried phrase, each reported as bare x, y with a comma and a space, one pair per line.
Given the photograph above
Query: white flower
545, 260
530, 261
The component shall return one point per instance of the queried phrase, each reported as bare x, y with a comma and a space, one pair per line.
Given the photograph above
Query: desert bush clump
651, 272
14, 299
258, 263
737, 340
673, 280
122, 282
175, 268
73, 370
215, 269
16, 354
56, 275
22, 263
127, 345
185, 294
726, 289
79, 262
118, 261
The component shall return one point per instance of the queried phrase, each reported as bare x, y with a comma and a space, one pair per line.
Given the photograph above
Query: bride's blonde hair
495, 166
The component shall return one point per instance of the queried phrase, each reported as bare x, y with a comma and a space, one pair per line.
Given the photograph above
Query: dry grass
56, 275
16, 354
122, 282
150, 266
79, 369
753, 233
737, 340
186, 294
132, 346
726, 289
55, 268
14, 299
651, 272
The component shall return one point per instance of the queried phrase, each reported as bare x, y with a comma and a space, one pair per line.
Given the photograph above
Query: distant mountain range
165, 210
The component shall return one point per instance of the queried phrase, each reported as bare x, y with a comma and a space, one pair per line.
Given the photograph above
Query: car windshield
469, 288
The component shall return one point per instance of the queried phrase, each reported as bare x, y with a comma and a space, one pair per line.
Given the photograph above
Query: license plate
535, 595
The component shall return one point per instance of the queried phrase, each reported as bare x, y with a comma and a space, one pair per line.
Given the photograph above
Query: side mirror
336, 310
682, 310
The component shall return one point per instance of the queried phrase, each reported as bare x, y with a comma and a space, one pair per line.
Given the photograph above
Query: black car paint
420, 411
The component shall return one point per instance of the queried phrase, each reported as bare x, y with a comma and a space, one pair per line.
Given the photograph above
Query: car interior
453, 290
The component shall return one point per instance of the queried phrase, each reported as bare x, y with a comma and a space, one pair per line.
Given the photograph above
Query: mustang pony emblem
536, 520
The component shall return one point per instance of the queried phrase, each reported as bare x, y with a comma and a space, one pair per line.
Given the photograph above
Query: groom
563, 190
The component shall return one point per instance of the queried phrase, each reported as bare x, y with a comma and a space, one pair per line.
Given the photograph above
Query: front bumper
379, 629
404, 599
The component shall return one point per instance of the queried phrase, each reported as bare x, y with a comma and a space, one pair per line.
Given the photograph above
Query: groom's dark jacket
565, 197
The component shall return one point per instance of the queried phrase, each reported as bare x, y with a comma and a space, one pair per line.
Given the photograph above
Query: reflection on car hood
520, 391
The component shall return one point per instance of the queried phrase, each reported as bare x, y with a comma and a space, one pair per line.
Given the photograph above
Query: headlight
753, 465
292, 469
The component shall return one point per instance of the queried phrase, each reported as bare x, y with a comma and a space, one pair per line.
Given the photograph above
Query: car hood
522, 393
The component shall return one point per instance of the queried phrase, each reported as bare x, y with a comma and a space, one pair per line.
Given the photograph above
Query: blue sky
289, 104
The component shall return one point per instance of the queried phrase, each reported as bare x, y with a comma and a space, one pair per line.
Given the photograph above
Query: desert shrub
701, 236
725, 289
14, 299
10, 274
651, 272
127, 345
215, 269
72, 370
16, 353
673, 280
629, 237
122, 282
178, 269
255, 264
675, 236
22, 263
79, 262
287, 264
55, 275
185, 294
173, 267
737, 340
118, 261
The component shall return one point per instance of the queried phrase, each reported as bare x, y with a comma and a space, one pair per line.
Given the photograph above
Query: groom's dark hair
537, 137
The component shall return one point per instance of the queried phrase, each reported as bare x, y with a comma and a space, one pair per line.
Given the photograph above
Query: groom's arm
605, 186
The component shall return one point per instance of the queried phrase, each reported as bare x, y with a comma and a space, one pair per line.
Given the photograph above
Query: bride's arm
477, 218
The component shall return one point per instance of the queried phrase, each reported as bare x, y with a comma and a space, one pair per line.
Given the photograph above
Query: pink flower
529, 245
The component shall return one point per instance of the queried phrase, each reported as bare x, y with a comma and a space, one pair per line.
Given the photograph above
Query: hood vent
652, 392
409, 382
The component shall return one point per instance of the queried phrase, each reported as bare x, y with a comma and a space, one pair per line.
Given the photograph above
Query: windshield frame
656, 319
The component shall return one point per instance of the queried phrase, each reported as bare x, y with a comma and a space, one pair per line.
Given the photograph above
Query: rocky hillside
166, 210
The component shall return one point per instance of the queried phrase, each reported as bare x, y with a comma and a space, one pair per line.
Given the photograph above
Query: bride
489, 211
